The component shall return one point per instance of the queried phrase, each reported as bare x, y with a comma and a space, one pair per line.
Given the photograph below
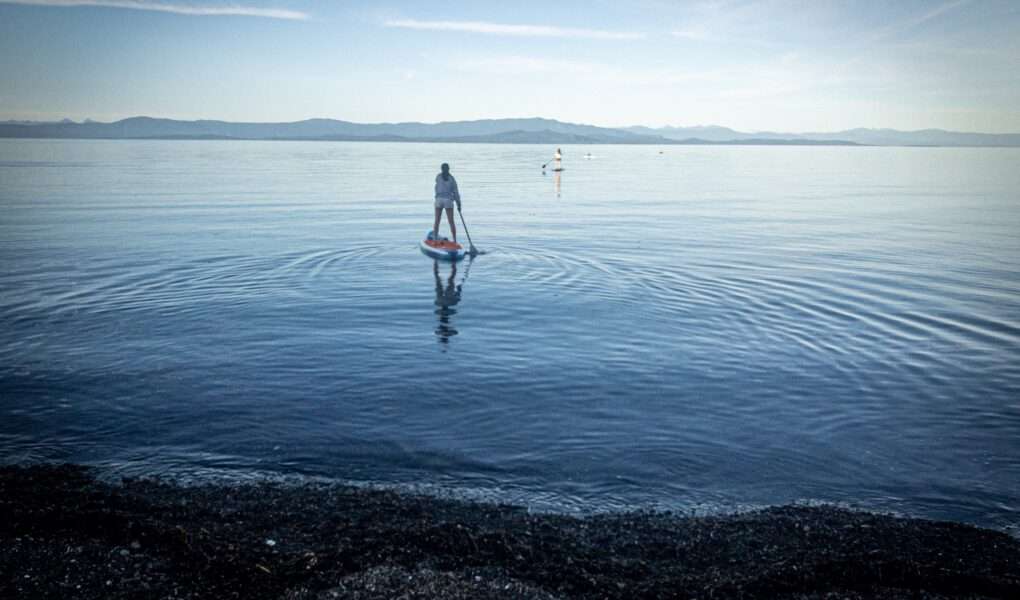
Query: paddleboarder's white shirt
447, 188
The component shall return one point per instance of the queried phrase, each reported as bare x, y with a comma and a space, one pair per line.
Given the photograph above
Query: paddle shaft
472, 244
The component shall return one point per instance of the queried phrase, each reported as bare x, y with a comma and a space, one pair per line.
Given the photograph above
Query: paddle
474, 251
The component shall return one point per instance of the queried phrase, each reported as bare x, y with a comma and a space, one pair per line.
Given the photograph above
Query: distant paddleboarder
557, 162
446, 195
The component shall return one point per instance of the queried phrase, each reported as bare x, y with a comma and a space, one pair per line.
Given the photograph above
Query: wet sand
65, 534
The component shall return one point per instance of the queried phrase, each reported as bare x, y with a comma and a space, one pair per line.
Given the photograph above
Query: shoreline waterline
71, 534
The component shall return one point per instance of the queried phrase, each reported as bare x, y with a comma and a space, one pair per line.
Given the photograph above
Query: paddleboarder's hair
445, 168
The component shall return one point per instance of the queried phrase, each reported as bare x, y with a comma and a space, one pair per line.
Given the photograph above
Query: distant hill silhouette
869, 137
508, 131
490, 130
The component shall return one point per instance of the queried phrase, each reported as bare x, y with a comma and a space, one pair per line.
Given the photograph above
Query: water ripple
730, 327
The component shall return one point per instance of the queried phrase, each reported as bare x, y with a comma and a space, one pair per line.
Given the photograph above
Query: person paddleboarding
557, 162
447, 195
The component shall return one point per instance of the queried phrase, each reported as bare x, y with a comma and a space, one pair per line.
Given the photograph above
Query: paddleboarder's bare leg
453, 227
435, 227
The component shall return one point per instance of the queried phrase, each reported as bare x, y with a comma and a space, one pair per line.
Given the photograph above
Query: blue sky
781, 65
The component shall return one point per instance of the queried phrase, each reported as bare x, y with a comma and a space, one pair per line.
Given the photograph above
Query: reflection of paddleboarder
447, 296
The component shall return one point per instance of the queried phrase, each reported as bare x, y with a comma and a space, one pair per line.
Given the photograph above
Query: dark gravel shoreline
64, 534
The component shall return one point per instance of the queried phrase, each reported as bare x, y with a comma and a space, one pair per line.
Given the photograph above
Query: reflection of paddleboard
441, 249
558, 170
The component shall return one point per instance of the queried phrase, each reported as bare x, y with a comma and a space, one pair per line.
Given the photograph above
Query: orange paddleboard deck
441, 249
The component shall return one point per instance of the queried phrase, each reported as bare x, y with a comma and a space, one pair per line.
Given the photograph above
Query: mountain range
523, 131
868, 137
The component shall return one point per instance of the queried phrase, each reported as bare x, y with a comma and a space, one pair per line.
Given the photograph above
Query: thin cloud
694, 34
515, 30
602, 73
908, 24
938, 11
223, 10
524, 65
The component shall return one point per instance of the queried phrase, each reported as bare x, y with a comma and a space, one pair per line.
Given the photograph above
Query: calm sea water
701, 328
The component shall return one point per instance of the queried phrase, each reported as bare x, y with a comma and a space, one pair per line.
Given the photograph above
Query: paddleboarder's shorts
445, 202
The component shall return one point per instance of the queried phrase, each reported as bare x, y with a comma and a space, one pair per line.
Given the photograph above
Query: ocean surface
686, 328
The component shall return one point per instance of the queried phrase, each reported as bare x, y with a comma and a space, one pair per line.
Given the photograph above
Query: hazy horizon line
85, 120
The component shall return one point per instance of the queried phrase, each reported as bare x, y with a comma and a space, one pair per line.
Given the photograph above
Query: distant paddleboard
558, 170
441, 249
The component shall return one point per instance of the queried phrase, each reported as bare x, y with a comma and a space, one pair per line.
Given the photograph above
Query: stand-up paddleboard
441, 249
558, 170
